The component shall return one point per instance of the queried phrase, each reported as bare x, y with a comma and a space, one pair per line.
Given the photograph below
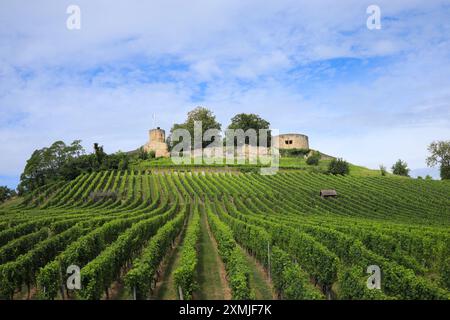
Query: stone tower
293, 141
157, 135
157, 142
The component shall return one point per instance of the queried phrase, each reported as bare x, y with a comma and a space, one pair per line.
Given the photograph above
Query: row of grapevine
184, 275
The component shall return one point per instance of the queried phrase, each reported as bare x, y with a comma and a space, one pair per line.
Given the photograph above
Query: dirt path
211, 270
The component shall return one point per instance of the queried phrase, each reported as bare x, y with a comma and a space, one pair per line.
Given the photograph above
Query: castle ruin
292, 141
157, 143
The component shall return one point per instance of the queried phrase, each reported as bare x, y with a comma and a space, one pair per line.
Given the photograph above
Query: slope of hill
286, 163
119, 228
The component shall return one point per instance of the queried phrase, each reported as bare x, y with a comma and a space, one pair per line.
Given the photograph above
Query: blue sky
313, 67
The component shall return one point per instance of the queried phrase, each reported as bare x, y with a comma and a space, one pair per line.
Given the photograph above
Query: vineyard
223, 235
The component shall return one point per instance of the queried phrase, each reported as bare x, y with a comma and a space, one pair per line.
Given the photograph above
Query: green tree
246, 121
338, 166
100, 155
44, 164
6, 193
440, 155
383, 170
142, 154
203, 115
400, 168
66, 162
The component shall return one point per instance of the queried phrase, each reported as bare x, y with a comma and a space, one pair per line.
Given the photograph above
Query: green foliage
338, 166
313, 159
100, 272
445, 271
352, 286
237, 270
311, 248
66, 162
140, 278
6, 193
383, 170
289, 279
44, 165
142, 154
207, 119
185, 274
445, 172
249, 121
254, 170
400, 168
440, 155
294, 152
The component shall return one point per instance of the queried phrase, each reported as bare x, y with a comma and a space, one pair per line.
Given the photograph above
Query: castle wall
157, 135
157, 143
293, 141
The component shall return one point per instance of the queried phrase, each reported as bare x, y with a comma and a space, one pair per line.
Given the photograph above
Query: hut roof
328, 193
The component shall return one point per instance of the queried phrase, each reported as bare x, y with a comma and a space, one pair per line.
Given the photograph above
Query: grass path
211, 270
259, 280
165, 288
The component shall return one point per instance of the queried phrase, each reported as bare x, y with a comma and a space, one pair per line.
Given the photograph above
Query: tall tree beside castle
205, 116
440, 155
247, 121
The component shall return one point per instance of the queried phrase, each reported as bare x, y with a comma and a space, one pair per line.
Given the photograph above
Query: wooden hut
328, 193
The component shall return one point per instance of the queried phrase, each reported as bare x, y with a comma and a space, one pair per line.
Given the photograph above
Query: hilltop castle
157, 142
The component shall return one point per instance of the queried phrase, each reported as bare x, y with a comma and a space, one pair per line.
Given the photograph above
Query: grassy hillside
319, 248
286, 163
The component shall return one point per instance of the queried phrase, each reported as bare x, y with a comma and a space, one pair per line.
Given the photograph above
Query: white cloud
279, 59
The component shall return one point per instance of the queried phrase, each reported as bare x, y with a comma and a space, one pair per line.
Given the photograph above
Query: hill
141, 235
286, 163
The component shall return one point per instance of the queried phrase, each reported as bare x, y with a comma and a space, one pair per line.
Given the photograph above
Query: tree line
65, 162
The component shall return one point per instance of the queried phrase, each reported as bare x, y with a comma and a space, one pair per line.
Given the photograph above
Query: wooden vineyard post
62, 282
268, 258
180, 292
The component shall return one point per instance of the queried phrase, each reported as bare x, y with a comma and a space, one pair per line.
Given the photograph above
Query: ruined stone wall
292, 141
157, 143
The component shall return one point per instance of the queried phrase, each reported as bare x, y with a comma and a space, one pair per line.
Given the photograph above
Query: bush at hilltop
338, 166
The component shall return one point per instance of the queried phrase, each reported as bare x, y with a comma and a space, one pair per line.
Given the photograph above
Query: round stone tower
157, 135
293, 141
157, 143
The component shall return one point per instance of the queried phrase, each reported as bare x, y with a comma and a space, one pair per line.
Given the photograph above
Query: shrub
142, 154
338, 166
313, 159
400, 168
6, 193
383, 170
294, 152
249, 170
